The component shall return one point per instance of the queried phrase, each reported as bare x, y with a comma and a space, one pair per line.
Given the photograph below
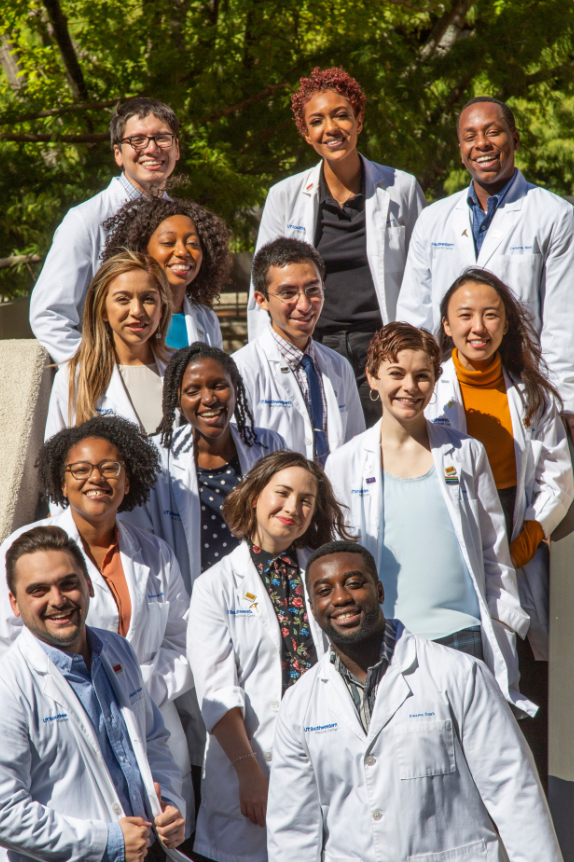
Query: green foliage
228, 67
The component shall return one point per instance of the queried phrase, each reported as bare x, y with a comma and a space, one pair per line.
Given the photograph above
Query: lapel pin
465, 232
117, 668
285, 369
370, 480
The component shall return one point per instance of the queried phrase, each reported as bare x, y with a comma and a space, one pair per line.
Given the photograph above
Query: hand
170, 825
253, 789
136, 838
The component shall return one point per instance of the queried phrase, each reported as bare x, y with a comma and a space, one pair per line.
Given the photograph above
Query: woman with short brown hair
250, 637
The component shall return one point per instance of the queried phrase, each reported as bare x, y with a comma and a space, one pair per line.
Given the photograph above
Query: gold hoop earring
378, 398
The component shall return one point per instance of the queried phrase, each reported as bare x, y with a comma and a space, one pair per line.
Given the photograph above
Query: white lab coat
56, 794
277, 402
393, 201
529, 245
158, 625
173, 510
544, 489
478, 523
114, 400
443, 774
234, 646
202, 324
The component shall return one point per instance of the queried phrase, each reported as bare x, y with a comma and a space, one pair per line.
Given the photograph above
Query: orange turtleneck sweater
488, 419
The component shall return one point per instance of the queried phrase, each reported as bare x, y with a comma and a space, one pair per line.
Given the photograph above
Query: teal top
426, 580
177, 333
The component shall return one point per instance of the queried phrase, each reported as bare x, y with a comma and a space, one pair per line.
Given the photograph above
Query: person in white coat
394, 747
85, 770
516, 230
423, 499
250, 638
119, 366
494, 387
192, 246
144, 138
304, 390
358, 214
92, 472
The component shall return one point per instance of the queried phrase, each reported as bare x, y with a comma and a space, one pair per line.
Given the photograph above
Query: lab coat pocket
475, 852
157, 615
425, 748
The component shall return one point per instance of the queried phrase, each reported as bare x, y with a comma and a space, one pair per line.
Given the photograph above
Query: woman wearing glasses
92, 472
119, 365
191, 244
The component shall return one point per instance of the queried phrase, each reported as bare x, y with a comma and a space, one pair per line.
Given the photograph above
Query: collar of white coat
441, 438
271, 350
180, 455
312, 179
127, 539
513, 199
404, 654
242, 564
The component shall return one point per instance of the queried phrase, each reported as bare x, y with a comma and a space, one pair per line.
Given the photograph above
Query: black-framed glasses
83, 469
290, 296
140, 142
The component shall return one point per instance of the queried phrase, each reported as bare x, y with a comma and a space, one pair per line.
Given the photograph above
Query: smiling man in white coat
394, 748
520, 232
144, 138
297, 387
85, 771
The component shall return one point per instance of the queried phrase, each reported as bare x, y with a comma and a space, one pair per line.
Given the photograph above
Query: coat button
116, 808
112, 629
308, 441
377, 815
370, 760
267, 756
275, 704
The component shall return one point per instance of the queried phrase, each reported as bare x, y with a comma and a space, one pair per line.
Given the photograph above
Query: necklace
344, 201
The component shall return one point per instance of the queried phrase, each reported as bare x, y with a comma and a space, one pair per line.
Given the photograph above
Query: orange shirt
488, 417
112, 572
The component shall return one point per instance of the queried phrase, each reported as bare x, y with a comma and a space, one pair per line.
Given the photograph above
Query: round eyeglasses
140, 142
106, 469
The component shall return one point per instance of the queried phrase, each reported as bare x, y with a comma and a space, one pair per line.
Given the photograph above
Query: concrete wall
25, 384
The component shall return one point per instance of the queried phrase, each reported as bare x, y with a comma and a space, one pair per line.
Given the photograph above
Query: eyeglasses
140, 142
290, 297
106, 469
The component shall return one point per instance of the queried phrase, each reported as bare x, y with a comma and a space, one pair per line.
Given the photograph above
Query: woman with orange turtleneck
493, 387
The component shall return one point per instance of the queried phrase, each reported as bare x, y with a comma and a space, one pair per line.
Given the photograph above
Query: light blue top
427, 583
177, 332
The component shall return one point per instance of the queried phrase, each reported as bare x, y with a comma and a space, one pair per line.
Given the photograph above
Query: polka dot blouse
214, 486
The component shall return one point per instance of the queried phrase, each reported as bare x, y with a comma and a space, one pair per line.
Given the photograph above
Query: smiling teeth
344, 616
209, 413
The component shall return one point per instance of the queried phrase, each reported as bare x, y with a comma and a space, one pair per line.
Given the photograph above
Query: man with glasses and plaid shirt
297, 387
144, 138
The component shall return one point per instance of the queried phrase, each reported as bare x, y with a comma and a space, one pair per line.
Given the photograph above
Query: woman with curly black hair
202, 459
191, 244
95, 471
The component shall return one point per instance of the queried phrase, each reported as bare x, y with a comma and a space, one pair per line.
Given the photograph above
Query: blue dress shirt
481, 220
95, 692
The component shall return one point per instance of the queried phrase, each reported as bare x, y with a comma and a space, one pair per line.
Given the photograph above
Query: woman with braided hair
204, 458
191, 244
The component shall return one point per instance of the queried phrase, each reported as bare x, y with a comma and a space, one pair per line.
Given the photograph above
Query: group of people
292, 604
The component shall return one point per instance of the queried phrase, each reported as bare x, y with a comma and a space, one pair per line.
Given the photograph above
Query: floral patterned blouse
282, 578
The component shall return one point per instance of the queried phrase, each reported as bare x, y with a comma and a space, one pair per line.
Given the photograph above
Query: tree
228, 67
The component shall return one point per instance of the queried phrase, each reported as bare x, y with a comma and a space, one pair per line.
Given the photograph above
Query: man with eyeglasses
144, 139
297, 387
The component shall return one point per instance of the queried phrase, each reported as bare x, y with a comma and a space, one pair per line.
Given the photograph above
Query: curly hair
140, 457
326, 79
133, 225
172, 382
388, 342
520, 349
327, 523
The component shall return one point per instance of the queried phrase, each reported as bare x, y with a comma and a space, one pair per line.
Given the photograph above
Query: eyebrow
170, 232
352, 574
295, 286
289, 488
468, 308
58, 583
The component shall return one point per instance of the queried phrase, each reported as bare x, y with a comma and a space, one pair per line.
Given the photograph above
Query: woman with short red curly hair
358, 214
423, 499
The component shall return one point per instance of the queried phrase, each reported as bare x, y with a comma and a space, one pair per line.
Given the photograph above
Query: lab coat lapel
448, 391
310, 194
377, 202
339, 698
193, 333
448, 471
285, 381
462, 233
372, 502
504, 221
522, 441
248, 584
335, 432
183, 481
67, 523
136, 573
393, 687
116, 397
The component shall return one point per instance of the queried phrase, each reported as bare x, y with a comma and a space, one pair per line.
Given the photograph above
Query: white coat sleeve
553, 482
26, 826
556, 310
294, 818
58, 407
501, 586
414, 304
168, 674
56, 305
211, 653
503, 770
163, 767
272, 225
355, 416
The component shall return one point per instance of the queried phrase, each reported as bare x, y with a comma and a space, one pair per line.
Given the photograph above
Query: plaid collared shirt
132, 192
364, 694
293, 356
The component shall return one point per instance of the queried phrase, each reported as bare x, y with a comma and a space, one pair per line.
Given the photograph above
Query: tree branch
71, 63
268, 91
15, 259
446, 30
53, 112
89, 138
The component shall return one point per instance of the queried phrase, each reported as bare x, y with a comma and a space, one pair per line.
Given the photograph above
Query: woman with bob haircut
423, 498
119, 366
494, 386
93, 472
192, 246
359, 215
250, 637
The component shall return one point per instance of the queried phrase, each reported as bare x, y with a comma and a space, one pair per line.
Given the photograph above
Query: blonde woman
120, 363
